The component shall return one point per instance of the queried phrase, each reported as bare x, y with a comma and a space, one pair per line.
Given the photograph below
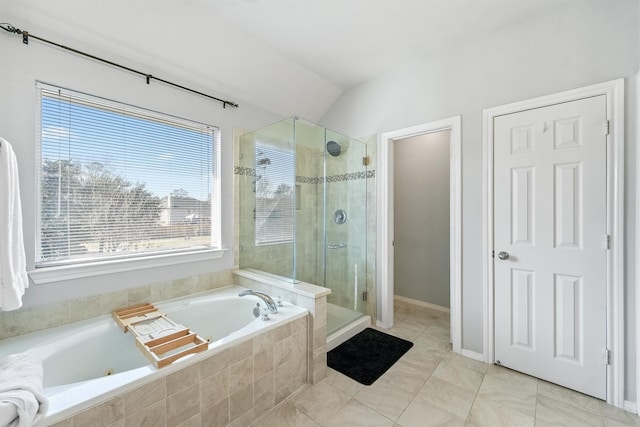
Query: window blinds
120, 181
275, 193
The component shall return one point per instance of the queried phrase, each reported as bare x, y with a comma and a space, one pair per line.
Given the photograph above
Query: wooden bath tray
159, 338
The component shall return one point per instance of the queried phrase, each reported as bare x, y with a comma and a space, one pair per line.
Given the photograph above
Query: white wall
584, 43
23, 65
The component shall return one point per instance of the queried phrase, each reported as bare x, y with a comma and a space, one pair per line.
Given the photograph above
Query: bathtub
89, 361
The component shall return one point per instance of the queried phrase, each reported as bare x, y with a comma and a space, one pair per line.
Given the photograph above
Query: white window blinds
275, 202
120, 181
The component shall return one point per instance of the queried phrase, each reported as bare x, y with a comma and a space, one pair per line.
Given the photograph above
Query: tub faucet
271, 305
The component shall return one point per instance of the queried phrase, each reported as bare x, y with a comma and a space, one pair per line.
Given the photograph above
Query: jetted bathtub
87, 362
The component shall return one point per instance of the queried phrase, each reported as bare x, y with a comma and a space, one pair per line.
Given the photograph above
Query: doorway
421, 219
385, 226
529, 311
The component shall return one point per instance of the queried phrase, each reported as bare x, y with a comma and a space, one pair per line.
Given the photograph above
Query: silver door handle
336, 246
503, 255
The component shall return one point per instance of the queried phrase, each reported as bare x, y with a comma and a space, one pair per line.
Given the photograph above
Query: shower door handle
336, 246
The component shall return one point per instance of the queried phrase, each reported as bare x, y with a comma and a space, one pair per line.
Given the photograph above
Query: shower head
333, 148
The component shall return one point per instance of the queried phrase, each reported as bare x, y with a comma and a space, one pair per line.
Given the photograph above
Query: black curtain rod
25, 39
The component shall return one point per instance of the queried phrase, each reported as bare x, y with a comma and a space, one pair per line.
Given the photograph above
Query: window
118, 181
275, 196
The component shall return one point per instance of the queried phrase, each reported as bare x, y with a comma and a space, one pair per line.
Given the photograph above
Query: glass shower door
345, 214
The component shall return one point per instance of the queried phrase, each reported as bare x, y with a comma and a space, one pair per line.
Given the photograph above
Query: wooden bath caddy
159, 338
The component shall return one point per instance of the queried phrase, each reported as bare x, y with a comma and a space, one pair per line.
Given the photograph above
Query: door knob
503, 255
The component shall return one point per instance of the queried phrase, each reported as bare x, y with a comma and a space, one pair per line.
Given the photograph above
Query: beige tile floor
431, 386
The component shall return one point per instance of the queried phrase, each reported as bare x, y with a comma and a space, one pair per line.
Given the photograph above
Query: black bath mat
367, 355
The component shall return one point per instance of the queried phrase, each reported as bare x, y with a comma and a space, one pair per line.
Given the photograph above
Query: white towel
22, 403
13, 265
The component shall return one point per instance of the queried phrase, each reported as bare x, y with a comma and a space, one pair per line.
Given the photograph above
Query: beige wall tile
214, 389
68, 422
240, 351
214, 364
319, 337
153, 415
299, 325
264, 394
144, 396
284, 381
263, 362
101, 415
280, 333
182, 379
241, 402
139, 295
216, 415
191, 422
183, 405
244, 420
240, 375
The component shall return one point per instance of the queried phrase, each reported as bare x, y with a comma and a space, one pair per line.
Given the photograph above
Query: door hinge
366, 160
493, 254
607, 241
365, 295
607, 356
606, 127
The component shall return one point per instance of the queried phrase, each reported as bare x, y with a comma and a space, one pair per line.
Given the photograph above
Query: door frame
635, 406
385, 229
614, 92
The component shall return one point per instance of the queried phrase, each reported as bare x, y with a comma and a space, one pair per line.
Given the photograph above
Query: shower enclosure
303, 211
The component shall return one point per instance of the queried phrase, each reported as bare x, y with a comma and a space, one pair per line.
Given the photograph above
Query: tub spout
271, 305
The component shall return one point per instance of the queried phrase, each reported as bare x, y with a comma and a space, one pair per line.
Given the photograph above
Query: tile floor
431, 386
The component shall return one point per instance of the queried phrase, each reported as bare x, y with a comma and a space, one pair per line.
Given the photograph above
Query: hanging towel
13, 265
22, 403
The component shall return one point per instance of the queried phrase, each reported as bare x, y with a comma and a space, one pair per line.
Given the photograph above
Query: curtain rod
25, 39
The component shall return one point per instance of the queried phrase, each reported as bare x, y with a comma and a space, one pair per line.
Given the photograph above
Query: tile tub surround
234, 387
305, 295
23, 321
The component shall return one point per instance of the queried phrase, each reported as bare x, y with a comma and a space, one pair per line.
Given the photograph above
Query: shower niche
305, 212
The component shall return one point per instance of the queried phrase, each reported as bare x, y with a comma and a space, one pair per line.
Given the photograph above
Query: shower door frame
327, 217
385, 232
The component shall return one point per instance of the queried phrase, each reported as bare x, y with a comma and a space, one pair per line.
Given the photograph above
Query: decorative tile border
352, 176
240, 170
308, 179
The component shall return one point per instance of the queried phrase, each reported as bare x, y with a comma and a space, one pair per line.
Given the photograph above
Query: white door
550, 243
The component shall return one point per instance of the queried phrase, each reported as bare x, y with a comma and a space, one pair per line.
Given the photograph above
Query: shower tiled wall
349, 185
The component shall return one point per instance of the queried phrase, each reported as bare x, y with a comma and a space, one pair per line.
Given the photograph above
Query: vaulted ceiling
287, 56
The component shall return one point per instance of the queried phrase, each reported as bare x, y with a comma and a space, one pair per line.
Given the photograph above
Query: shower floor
343, 323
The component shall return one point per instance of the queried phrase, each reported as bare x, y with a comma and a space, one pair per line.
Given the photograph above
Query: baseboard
472, 355
422, 303
630, 407
348, 331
